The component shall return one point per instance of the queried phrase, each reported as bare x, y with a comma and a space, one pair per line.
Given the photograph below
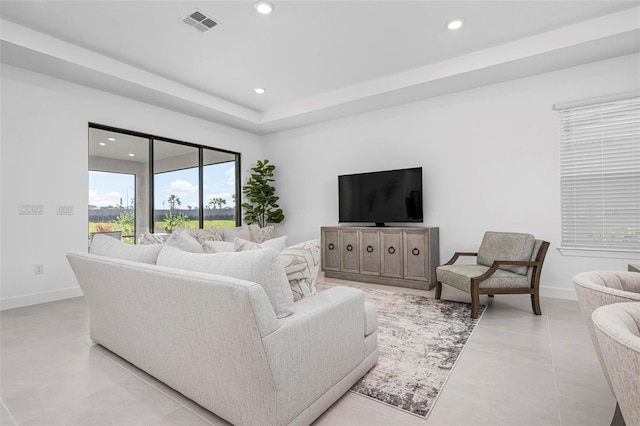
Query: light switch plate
64, 210
30, 209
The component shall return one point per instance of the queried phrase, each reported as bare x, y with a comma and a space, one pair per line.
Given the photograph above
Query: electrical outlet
38, 269
64, 210
31, 209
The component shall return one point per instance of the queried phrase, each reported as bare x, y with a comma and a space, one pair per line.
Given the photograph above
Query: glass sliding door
219, 188
143, 183
118, 170
176, 186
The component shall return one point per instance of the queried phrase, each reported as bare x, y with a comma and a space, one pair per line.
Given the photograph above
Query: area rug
419, 341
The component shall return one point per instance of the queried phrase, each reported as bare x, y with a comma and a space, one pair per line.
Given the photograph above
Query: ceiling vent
199, 20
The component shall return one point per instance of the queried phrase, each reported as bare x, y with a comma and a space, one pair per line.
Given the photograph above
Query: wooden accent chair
507, 263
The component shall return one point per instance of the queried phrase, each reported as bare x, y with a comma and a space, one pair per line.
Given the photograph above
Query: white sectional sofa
217, 339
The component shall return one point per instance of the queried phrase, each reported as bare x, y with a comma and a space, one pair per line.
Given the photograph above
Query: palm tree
173, 202
219, 202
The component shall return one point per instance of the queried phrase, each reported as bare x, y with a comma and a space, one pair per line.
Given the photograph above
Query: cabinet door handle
391, 250
331, 246
369, 249
415, 252
349, 247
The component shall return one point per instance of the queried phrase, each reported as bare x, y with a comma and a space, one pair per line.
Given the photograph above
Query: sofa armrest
315, 347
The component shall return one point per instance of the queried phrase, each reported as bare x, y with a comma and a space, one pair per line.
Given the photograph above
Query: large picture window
142, 183
600, 174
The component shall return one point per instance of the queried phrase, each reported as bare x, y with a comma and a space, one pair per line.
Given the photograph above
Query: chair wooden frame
476, 291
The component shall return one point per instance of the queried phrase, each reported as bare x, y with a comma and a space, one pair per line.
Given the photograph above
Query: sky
106, 189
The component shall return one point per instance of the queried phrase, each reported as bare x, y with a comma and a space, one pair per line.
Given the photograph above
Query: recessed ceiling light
111, 139
454, 24
132, 155
260, 90
264, 7
101, 143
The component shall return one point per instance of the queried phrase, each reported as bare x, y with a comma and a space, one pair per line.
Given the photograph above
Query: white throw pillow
259, 266
218, 246
107, 246
184, 241
279, 244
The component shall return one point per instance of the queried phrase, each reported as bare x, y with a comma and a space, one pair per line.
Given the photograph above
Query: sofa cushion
202, 235
278, 244
184, 241
107, 246
259, 266
506, 246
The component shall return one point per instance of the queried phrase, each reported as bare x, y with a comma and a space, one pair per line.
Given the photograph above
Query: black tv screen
381, 197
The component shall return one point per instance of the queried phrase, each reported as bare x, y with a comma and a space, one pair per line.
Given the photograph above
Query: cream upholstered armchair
507, 263
600, 288
617, 328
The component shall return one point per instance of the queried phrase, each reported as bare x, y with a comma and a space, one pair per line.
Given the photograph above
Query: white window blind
600, 175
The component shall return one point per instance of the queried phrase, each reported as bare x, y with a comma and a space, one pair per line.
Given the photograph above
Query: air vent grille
199, 20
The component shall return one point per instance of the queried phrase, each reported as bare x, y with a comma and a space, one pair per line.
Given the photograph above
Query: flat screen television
381, 197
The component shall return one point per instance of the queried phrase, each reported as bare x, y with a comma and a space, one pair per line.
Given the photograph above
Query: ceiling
317, 59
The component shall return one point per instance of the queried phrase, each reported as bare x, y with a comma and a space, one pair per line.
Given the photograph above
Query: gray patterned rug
419, 340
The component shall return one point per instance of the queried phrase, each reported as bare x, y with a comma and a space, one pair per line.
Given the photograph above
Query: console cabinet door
370, 252
330, 250
416, 255
391, 253
349, 251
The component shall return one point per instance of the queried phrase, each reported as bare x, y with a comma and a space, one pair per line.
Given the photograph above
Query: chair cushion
459, 276
506, 246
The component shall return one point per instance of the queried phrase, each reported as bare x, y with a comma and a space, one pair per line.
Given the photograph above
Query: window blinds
600, 175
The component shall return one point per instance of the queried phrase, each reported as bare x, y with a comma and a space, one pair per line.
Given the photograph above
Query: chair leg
438, 289
535, 303
475, 302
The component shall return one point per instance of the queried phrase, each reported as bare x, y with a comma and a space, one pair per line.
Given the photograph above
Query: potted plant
262, 207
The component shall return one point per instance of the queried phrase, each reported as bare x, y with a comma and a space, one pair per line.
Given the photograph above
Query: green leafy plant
171, 220
262, 207
125, 222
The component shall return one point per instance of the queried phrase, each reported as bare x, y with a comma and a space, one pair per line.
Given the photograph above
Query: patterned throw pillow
279, 244
149, 238
260, 235
301, 263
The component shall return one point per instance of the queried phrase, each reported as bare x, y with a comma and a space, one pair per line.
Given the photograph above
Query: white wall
490, 161
45, 161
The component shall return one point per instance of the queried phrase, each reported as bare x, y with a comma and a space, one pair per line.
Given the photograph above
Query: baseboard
558, 293
36, 298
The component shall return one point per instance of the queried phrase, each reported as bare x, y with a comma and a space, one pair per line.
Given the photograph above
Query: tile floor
517, 369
